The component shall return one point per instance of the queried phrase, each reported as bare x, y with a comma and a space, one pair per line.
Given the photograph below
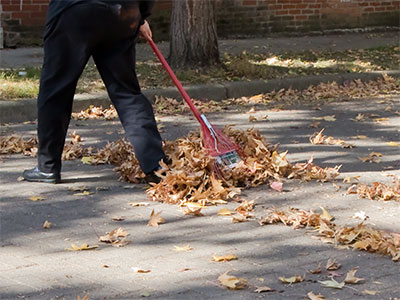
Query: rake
217, 144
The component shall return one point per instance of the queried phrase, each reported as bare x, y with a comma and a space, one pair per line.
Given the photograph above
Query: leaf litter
360, 237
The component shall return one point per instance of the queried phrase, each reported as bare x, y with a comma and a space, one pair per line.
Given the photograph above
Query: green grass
243, 67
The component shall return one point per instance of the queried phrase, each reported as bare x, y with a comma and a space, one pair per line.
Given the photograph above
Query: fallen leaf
291, 280
277, 186
325, 215
224, 258
140, 270
78, 188
20, 178
36, 198
118, 218
332, 265
330, 118
312, 296
263, 289
82, 247
350, 179
86, 297
393, 144
47, 224
84, 193
361, 137
155, 219
87, 160
317, 270
332, 284
225, 212
361, 215
232, 282
371, 292
184, 270
185, 248
350, 277
134, 204
239, 218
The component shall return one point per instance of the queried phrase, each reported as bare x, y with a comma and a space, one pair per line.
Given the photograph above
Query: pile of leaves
361, 237
377, 191
356, 89
189, 178
170, 106
13, 144
17, 144
96, 112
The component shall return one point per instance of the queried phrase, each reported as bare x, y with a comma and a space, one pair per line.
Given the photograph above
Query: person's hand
145, 30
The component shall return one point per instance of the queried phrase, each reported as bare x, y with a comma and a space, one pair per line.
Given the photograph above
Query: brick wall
22, 20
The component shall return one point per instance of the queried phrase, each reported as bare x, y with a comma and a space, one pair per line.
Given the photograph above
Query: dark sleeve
145, 7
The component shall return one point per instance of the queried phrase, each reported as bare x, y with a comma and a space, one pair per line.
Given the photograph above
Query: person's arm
145, 7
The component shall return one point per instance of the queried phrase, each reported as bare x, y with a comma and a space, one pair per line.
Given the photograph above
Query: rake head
219, 146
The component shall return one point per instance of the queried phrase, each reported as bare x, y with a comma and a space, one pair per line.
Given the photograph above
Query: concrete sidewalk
35, 264
23, 57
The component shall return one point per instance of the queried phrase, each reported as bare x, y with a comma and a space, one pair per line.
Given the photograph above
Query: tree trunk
193, 40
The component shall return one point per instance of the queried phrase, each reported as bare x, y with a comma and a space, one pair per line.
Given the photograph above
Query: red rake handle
171, 73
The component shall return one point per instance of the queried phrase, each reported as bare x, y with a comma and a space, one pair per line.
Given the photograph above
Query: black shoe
35, 175
152, 177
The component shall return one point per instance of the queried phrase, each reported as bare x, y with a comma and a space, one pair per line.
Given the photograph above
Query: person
107, 31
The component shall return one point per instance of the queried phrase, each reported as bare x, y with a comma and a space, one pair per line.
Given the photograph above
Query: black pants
109, 35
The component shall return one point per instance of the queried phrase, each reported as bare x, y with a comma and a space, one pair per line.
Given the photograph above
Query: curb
26, 110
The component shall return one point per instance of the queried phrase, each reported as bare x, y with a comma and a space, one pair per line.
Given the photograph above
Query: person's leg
116, 64
65, 57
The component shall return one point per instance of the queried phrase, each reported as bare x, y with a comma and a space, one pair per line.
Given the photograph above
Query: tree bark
193, 40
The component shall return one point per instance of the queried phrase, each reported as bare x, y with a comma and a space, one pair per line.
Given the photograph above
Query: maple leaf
312, 296
87, 160
232, 282
84, 193
185, 248
116, 237
325, 215
82, 247
239, 218
224, 258
291, 280
350, 277
332, 265
37, 198
47, 224
263, 289
155, 219
225, 212
332, 284
317, 270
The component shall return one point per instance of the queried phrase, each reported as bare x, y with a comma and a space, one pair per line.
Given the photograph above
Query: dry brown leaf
36, 198
232, 282
116, 237
291, 280
317, 270
312, 296
351, 278
155, 219
332, 265
140, 270
134, 204
86, 297
118, 218
225, 212
263, 289
239, 218
185, 248
82, 247
47, 225
325, 215
224, 258
372, 293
